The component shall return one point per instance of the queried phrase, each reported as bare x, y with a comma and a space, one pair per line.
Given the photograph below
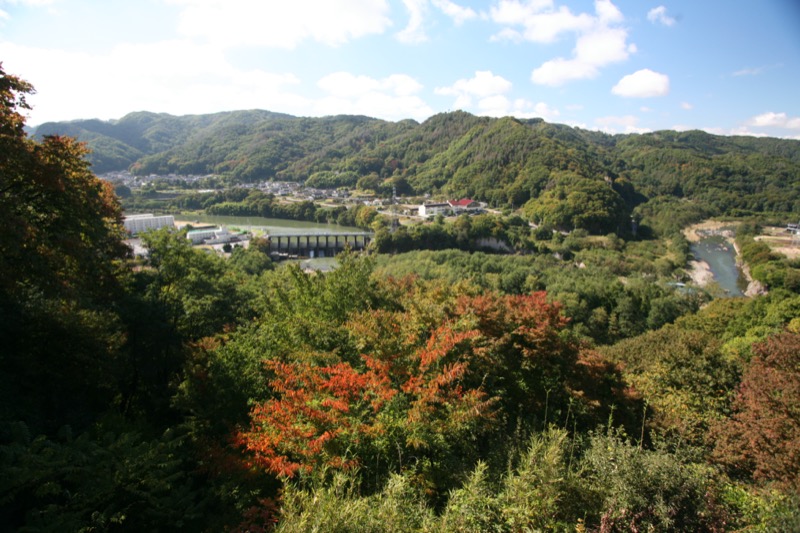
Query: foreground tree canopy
444, 390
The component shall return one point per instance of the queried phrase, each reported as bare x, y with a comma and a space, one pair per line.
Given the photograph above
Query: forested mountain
505, 161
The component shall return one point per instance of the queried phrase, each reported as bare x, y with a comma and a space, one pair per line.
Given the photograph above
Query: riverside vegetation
430, 386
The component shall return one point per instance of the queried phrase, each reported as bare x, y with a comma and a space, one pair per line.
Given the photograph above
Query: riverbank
701, 272
697, 232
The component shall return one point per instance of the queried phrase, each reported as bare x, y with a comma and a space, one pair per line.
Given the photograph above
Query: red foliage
490, 353
322, 414
763, 435
316, 406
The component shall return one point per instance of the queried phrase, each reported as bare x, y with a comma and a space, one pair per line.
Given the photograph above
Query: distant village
222, 240
423, 208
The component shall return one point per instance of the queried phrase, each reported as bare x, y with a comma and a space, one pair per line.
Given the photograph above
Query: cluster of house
450, 207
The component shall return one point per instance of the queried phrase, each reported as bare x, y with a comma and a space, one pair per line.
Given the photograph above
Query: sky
728, 67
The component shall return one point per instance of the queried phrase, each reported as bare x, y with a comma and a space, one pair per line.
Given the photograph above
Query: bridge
317, 244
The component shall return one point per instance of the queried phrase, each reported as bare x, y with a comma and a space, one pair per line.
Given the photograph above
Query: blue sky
724, 66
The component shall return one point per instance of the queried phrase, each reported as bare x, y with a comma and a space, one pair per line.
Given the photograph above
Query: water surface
721, 258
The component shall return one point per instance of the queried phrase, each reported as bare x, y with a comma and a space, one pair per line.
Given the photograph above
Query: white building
431, 210
199, 236
212, 236
135, 224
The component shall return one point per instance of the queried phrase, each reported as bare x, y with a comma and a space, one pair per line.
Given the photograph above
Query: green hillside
505, 162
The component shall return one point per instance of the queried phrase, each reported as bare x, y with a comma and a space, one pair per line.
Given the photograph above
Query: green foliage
572, 202
102, 482
599, 305
339, 507
506, 162
194, 287
668, 215
481, 232
683, 377
651, 490
773, 270
332, 180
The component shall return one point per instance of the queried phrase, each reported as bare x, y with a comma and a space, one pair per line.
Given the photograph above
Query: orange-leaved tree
440, 381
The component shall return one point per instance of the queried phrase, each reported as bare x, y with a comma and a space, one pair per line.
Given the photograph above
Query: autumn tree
762, 438
441, 381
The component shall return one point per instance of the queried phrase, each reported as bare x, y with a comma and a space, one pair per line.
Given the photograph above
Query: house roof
464, 202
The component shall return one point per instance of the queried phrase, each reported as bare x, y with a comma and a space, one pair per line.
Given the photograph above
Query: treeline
255, 203
586, 279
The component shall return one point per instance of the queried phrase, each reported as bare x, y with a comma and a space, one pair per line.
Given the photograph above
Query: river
720, 256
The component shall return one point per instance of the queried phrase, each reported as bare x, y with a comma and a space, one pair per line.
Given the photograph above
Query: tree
576, 202
63, 224
60, 259
762, 438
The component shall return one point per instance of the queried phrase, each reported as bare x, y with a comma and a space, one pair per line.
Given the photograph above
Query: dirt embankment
702, 230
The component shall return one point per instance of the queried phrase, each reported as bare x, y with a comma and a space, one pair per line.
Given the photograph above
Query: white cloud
600, 41
507, 34
483, 84
686, 106
749, 71
620, 124
414, 33
560, 71
775, 120
494, 106
34, 3
391, 98
608, 12
659, 15
345, 85
541, 22
501, 106
128, 78
642, 84
525, 109
458, 13
485, 94
145, 77
231, 23
756, 71
602, 46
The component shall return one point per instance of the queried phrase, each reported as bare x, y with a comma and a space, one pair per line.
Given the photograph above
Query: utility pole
395, 221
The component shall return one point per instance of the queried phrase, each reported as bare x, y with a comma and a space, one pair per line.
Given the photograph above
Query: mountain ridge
504, 161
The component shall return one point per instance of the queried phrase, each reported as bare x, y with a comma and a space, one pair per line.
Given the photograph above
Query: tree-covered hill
505, 161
